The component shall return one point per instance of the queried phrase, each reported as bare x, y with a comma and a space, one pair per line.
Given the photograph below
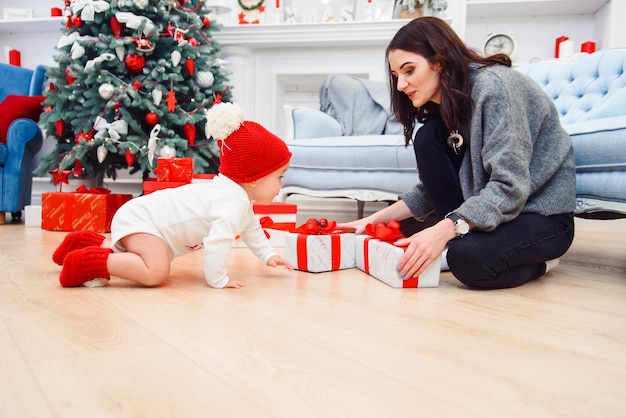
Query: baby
149, 231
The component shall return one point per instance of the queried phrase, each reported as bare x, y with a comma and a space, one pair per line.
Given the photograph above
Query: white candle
566, 49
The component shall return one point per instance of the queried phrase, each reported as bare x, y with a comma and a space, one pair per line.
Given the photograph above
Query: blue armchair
20, 136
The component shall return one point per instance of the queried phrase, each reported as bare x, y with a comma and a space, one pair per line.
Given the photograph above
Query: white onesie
207, 215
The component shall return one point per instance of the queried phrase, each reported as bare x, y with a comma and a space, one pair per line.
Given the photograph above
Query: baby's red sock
83, 265
75, 241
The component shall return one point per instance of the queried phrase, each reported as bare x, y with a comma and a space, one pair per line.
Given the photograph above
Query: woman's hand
424, 247
358, 226
395, 212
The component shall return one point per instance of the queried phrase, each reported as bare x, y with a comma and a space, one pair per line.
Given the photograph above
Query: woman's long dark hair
436, 41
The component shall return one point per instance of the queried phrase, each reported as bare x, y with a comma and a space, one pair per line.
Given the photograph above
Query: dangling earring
455, 141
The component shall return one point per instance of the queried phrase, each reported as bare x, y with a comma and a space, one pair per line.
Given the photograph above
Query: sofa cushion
599, 150
312, 123
613, 105
14, 107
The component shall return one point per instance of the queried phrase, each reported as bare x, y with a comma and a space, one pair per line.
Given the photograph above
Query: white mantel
268, 60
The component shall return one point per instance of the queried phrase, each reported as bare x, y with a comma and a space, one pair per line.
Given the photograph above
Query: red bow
318, 227
388, 232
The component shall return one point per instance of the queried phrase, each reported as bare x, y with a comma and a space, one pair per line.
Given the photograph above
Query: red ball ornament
82, 138
206, 21
151, 118
135, 62
190, 133
76, 21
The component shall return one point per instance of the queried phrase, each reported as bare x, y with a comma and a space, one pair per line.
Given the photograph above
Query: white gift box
319, 253
276, 218
379, 259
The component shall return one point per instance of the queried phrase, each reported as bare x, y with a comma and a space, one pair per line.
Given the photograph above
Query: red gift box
276, 218
174, 169
379, 259
91, 209
152, 184
319, 253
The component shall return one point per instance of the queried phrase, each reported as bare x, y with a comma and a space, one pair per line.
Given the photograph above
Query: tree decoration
134, 62
157, 96
59, 126
151, 118
119, 96
204, 79
171, 101
190, 65
60, 176
106, 90
190, 133
175, 57
129, 157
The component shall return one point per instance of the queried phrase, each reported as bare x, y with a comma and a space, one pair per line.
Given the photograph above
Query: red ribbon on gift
387, 232
318, 227
267, 222
93, 190
335, 251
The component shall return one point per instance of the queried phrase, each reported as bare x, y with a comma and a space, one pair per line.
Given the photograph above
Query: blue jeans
514, 252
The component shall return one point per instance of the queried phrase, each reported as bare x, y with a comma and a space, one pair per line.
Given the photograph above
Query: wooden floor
293, 344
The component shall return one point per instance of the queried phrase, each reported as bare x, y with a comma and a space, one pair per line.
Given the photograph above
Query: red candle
558, 43
588, 47
15, 57
278, 4
55, 11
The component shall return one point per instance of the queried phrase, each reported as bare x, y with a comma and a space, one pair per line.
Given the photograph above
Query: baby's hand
277, 260
233, 284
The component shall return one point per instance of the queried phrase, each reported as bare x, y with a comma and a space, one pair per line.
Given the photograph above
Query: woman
495, 165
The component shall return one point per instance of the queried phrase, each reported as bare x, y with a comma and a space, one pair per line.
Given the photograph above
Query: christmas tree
133, 82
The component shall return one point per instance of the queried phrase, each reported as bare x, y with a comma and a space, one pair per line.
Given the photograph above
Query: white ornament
167, 152
102, 153
157, 95
120, 51
106, 90
205, 78
176, 58
141, 4
77, 51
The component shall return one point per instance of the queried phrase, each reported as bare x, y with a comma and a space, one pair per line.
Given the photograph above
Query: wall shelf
519, 8
36, 24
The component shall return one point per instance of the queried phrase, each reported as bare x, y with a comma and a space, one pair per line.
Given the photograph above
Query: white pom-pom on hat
223, 119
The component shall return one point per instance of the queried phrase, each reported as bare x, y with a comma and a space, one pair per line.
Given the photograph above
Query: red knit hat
248, 151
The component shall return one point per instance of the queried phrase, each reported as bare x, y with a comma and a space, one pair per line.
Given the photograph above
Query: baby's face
265, 189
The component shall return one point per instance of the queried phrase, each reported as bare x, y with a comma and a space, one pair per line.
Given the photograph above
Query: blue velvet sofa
21, 137
589, 91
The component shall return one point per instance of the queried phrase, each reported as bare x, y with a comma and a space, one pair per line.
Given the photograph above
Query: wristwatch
461, 227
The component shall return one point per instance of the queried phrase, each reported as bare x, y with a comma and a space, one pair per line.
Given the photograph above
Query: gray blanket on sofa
361, 106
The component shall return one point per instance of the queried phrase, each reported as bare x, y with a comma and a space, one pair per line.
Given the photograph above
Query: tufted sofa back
583, 84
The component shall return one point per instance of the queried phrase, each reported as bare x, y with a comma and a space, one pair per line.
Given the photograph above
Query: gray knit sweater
519, 160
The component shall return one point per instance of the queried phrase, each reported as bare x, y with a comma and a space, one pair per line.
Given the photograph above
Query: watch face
462, 227
499, 44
